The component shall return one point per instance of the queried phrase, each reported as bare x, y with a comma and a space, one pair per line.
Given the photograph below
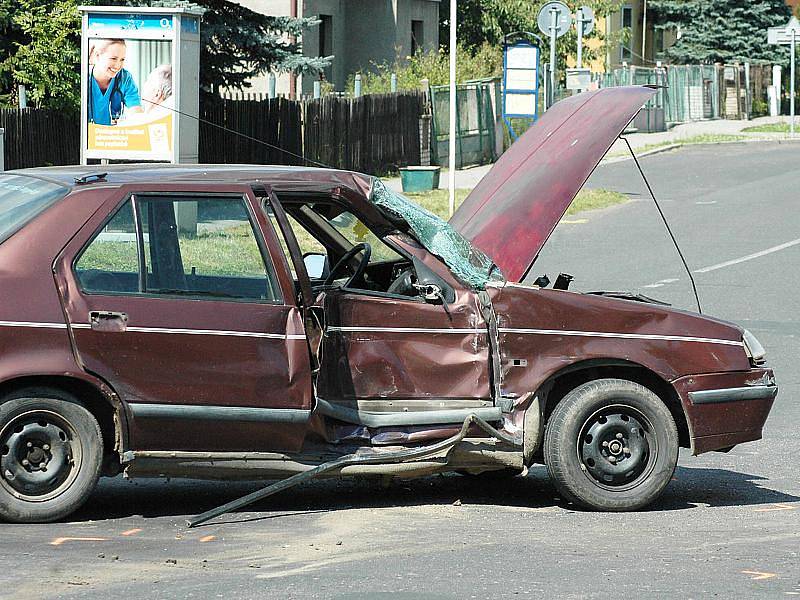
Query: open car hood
513, 210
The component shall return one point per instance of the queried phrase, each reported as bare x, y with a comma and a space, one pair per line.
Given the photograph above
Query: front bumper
725, 409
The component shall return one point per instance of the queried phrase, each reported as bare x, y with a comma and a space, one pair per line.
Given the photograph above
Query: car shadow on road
691, 487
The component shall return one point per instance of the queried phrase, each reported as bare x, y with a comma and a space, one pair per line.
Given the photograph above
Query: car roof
217, 173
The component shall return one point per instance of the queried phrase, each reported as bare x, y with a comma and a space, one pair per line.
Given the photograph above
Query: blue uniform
121, 92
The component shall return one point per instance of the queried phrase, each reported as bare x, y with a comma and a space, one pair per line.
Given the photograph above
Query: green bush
760, 108
485, 61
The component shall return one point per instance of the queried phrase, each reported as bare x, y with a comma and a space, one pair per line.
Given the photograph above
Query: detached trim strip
33, 325
628, 336
219, 413
756, 392
221, 332
428, 417
403, 330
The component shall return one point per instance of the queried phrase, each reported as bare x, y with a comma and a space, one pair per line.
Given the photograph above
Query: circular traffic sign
585, 16
554, 13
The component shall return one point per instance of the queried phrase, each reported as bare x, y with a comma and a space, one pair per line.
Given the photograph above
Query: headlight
755, 351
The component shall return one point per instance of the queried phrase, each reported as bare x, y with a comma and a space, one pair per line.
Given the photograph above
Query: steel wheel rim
40, 455
617, 447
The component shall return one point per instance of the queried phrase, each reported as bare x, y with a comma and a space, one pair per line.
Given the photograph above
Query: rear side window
22, 198
190, 247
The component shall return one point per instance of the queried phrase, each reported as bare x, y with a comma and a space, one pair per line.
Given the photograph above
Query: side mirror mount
317, 265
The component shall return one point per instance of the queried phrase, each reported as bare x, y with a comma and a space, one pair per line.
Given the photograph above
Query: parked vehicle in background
256, 322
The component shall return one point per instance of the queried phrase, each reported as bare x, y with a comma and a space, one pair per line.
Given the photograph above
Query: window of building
658, 42
417, 37
325, 29
627, 23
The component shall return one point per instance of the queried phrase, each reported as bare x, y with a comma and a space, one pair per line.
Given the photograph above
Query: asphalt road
727, 526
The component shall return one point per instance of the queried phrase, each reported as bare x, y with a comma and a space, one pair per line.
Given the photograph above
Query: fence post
748, 98
2, 150
357, 86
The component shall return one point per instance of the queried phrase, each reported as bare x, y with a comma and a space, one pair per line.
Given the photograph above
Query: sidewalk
468, 178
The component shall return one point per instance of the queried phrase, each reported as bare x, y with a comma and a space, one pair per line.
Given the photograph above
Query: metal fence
475, 123
694, 92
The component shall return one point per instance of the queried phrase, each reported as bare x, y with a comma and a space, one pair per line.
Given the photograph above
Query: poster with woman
129, 108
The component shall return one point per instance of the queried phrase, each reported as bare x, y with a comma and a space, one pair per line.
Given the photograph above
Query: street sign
585, 15
562, 15
584, 22
783, 35
788, 36
579, 79
554, 20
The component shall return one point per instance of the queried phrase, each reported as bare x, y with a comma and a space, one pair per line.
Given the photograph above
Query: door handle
104, 320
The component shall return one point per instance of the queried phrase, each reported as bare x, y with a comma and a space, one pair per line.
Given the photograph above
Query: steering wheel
345, 261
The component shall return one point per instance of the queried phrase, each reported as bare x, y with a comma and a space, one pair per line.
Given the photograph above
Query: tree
721, 31
43, 53
487, 21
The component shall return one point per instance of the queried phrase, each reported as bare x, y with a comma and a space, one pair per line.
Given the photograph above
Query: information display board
520, 80
140, 83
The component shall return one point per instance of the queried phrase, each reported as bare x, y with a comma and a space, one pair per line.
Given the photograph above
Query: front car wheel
611, 445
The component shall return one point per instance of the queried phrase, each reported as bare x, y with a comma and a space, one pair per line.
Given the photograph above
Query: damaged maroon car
279, 322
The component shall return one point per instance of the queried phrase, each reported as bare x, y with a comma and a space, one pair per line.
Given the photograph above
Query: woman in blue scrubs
111, 88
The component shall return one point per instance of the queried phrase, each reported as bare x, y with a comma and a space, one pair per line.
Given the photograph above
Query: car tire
611, 445
51, 451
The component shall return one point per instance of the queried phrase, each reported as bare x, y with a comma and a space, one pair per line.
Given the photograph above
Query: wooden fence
39, 138
372, 134
251, 132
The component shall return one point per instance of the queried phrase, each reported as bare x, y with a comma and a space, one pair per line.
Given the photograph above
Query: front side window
194, 247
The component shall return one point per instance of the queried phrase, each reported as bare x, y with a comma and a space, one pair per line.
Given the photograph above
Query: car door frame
284, 425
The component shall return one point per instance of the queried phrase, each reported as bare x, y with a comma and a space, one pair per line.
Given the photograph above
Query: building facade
357, 33
646, 44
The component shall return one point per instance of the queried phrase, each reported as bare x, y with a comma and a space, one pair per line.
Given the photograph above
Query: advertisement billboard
131, 82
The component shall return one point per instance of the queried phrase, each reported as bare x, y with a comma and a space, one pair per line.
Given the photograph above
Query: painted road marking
778, 506
736, 261
705, 202
574, 221
62, 540
660, 283
759, 575
208, 538
131, 531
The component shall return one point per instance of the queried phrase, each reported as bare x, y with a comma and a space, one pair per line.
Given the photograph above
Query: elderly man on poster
157, 99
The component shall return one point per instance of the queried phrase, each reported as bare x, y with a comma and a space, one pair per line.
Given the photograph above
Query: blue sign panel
520, 82
148, 25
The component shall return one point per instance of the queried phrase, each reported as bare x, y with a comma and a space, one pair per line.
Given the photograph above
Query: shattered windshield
465, 261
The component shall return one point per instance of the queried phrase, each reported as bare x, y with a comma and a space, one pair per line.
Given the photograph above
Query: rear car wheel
611, 445
51, 451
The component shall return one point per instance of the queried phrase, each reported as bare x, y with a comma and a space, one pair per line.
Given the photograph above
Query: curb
678, 144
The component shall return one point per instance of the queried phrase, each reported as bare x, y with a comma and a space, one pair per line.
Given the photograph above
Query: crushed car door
174, 298
388, 352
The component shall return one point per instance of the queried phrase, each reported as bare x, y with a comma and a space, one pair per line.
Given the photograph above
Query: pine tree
721, 31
